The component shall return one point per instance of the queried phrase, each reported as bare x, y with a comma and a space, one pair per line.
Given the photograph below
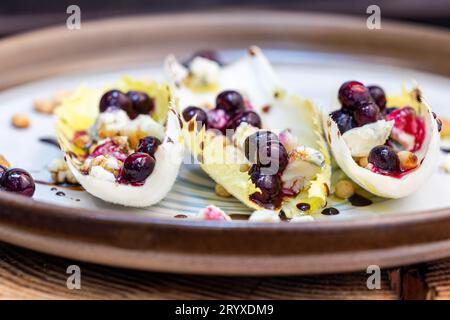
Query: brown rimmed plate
313, 54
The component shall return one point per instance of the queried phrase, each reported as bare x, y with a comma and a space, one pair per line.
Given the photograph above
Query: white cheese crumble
60, 172
361, 140
264, 216
146, 125
204, 71
117, 122
112, 163
102, 174
301, 219
242, 132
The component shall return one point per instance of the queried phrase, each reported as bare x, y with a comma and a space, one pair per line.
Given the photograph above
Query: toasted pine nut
221, 192
408, 160
363, 162
20, 121
344, 189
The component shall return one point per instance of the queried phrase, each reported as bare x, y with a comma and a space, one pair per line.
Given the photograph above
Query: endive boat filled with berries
264, 145
387, 145
123, 144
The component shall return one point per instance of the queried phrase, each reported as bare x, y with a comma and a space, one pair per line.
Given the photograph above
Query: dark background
21, 15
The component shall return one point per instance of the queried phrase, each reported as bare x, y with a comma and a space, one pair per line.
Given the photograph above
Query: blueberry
343, 119
230, 101
142, 103
250, 117
352, 93
254, 141
191, 112
273, 158
366, 113
148, 145
18, 181
264, 149
270, 186
378, 95
115, 99
385, 159
137, 167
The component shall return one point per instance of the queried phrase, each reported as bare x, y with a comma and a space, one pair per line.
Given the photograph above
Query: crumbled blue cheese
60, 172
264, 216
117, 122
102, 174
204, 71
145, 125
301, 219
361, 140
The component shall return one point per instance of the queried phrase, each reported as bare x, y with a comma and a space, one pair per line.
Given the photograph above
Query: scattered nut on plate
445, 129
344, 189
221, 192
4, 162
48, 106
20, 120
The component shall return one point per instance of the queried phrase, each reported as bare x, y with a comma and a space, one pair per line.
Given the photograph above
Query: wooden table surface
25, 274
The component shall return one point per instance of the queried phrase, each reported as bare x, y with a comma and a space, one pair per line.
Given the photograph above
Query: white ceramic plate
316, 76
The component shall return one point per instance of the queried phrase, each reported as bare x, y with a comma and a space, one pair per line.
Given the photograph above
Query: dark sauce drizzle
359, 201
50, 141
330, 211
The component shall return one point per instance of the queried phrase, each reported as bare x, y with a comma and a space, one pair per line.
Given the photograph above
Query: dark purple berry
343, 119
230, 101
191, 112
148, 145
142, 103
385, 159
378, 96
218, 119
256, 140
273, 158
270, 186
366, 113
137, 167
18, 181
115, 99
250, 117
352, 93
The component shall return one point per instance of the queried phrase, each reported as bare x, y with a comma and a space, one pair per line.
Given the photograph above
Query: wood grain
26, 274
